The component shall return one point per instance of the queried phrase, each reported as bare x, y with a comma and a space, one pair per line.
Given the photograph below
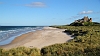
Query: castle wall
85, 19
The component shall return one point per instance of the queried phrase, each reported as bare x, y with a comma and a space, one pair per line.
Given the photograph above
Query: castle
85, 19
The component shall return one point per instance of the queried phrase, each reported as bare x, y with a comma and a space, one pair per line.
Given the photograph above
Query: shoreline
9, 40
40, 38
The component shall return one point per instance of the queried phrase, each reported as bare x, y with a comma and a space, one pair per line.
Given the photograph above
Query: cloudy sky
47, 12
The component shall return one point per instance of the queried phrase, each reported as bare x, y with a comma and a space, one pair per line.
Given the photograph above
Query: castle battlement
84, 19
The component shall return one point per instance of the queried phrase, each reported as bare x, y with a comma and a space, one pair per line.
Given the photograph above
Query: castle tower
90, 20
86, 19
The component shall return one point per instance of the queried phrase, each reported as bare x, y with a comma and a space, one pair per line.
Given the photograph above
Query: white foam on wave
7, 36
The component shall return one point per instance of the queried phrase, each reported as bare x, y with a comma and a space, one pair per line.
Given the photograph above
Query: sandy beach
39, 38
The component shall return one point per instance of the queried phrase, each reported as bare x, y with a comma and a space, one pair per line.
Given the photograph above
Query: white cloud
96, 18
36, 4
1, 3
97, 12
85, 12
75, 16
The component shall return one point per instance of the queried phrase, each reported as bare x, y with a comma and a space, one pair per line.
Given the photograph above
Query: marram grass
86, 42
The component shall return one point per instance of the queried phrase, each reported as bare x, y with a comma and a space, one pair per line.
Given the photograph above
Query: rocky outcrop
85, 19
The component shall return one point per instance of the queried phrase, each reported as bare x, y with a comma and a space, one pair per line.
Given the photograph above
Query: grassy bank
86, 42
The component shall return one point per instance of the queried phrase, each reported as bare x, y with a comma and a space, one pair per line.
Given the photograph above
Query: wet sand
39, 38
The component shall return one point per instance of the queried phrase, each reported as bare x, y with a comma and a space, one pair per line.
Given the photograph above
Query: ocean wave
4, 35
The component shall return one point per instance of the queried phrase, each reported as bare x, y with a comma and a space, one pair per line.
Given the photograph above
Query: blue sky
47, 12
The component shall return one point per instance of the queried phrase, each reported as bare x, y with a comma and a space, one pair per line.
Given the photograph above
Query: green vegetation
20, 51
86, 42
85, 24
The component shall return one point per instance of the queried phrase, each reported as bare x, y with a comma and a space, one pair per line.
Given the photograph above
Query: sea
9, 33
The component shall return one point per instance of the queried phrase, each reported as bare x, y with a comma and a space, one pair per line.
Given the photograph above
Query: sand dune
40, 38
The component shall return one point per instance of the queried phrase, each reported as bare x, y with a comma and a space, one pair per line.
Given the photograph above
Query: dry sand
39, 38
